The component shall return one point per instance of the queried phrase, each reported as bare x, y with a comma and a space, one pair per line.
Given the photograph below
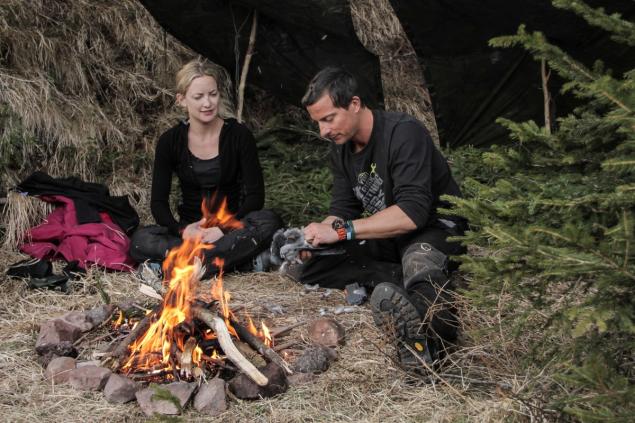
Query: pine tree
555, 213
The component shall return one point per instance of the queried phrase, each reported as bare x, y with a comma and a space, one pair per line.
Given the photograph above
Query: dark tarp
472, 84
295, 39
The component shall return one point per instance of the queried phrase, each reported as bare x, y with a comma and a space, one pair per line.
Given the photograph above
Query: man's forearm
388, 223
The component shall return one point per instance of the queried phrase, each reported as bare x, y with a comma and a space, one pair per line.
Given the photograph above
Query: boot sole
398, 318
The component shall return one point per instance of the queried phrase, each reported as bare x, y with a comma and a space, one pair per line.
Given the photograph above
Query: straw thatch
86, 83
380, 31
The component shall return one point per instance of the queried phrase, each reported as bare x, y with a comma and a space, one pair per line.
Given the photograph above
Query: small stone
59, 369
300, 378
55, 332
99, 314
326, 332
119, 389
79, 319
211, 398
89, 378
244, 388
52, 351
153, 399
315, 359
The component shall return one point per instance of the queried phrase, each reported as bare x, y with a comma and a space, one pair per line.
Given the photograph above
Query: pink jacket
103, 244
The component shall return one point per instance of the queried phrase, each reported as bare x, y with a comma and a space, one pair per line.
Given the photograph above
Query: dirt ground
362, 385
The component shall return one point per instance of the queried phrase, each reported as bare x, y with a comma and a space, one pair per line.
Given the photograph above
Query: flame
158, 348
119, 320
263, 333
222, 218
197, 354
251, 327
266, 335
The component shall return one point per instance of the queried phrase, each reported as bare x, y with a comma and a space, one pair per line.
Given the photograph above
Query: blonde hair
203, 67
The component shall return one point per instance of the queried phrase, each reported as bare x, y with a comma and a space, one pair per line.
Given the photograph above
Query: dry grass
83, 79
363, 385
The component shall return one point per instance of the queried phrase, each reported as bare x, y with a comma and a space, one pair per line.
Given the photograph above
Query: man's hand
318, 234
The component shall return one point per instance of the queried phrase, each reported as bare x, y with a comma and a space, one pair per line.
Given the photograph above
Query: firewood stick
122, 348
279, 331
224, 339
259, 346
285, 345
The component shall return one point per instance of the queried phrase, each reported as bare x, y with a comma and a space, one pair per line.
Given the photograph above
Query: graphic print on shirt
369, 190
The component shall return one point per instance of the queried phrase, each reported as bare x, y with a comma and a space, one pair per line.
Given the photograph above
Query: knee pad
421, 262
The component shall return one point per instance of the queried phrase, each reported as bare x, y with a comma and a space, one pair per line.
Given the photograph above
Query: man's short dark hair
340, 85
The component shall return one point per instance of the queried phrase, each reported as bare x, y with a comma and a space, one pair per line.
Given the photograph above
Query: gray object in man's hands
288, 243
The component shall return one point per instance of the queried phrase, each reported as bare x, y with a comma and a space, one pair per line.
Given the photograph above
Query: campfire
189, 335
191, 345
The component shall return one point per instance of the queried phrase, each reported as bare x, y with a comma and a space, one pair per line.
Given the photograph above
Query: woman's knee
151, 243
266, 221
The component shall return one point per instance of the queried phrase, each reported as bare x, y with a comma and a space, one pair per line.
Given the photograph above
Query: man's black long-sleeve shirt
399, 166
241, 180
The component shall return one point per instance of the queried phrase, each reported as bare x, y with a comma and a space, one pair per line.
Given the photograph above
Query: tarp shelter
471, 83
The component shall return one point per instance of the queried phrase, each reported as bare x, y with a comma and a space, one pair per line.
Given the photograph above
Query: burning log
217, 324
122, 348
186, 357
259, 346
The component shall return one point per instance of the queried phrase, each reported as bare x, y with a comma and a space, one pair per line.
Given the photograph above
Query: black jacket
241, 180
90, 198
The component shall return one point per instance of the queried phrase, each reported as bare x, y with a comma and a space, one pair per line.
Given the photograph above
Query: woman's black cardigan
241, 180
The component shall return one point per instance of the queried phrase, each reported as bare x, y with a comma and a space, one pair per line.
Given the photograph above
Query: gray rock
315, 359
59, 369
211, 398
119, 389
79, 319
99, 314
245, 388
167, 399
89, 378
52, 351
55, 332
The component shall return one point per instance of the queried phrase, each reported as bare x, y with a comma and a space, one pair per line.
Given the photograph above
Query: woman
215, 159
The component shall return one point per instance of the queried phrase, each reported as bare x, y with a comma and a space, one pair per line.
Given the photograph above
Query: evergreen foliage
554, 211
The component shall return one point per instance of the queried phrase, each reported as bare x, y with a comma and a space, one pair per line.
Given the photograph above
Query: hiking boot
398, 318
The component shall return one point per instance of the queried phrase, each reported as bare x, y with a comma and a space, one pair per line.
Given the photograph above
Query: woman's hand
194, 230
212, 235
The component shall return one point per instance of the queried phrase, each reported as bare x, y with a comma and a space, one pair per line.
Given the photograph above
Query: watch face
337, 224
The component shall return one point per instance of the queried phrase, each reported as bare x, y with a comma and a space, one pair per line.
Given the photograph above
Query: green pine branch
623, 31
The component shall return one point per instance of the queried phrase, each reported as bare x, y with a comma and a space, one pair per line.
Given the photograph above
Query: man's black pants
417, 262
237, 248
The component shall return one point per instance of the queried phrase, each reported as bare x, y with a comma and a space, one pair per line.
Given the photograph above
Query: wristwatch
345, 229
339, 226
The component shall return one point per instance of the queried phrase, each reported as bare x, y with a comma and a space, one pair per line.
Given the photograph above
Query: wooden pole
245, 70
545, 94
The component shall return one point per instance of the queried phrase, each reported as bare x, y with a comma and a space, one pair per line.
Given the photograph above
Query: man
387, 180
